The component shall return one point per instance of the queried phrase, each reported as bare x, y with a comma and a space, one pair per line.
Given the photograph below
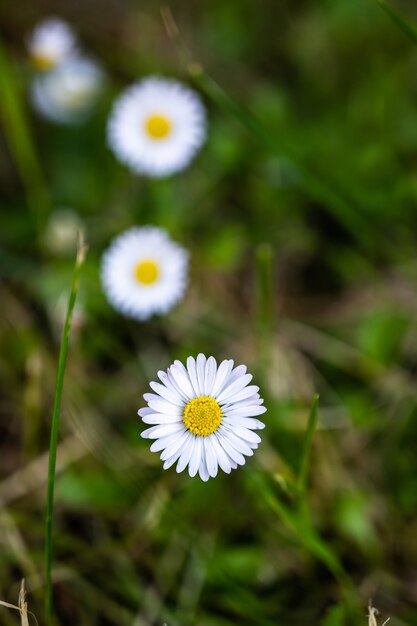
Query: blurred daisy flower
144, 272
203, 416
157, 126
68, 93
51, 43
61, 233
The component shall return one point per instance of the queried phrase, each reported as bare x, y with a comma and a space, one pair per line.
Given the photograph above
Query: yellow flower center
43, 62
158, 126
146, 272
202, 416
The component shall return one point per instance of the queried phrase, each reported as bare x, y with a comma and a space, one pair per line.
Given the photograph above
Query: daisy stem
63, 352
16, 129
305, 454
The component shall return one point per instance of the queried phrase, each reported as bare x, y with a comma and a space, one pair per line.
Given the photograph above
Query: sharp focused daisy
68, 93
51, 42
144, 272
156, 126
203, 416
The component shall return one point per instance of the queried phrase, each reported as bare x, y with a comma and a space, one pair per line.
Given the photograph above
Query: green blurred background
303, 232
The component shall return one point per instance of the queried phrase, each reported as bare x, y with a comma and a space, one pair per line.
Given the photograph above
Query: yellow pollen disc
146, 272
158, 126
202, 416
43, 62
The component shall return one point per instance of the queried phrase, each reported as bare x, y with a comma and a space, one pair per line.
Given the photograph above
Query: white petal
195, 458
182, 379
210, 457
231, 452
166, 393
160, 405
186, 454
239, 371
223, 460
252, 401
145, 411
245, 393
246, 434
201, 371
230, 389
211, 371
246, 422
192, 372
239, 444
249, 411
202, 470
175, 446
168, 381
222, 374
160, 431
159, 418
162, 442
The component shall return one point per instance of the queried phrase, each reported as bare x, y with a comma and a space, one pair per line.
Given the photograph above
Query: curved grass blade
406, 26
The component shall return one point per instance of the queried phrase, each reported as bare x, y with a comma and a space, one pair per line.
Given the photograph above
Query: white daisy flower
203, 416
156, 126
68, 93
144, 272
51, 42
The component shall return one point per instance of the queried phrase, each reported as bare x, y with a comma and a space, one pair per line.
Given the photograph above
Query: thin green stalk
21, 145
81, 252
405, 25
305, 453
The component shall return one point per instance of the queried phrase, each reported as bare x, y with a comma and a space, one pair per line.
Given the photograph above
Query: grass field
299, 214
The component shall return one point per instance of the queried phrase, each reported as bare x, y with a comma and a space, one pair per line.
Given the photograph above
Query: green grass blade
307, 537
305, 454
407, 27
21, 145
63, 353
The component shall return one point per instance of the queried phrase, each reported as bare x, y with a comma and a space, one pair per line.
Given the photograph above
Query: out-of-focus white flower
144, 272
156, 126
62, 230
203, 416
51, 42
68, 93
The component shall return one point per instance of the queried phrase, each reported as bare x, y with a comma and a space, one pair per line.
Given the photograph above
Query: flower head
51, 43
203, 416
156, 126
144, 272
67, 93
62, 230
